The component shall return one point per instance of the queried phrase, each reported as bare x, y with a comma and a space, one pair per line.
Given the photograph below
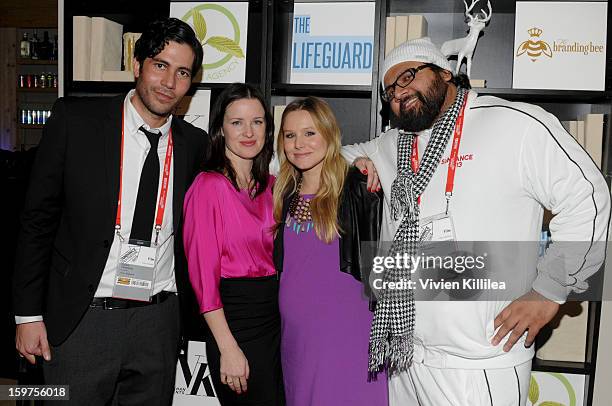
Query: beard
421, 116
145, 94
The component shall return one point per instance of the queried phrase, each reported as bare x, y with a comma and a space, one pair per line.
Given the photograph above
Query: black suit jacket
69, 215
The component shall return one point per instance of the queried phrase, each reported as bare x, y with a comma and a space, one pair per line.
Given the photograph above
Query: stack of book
97, 50
588, 130
403, 28
568, 330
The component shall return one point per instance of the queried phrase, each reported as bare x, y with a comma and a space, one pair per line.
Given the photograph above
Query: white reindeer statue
464, 47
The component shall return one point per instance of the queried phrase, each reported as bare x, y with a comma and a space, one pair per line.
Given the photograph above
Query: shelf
27, 61
284, 89
123, 87
563, 96
211, 86
31, 126
444, 6
100, 87
580, 368
37, 89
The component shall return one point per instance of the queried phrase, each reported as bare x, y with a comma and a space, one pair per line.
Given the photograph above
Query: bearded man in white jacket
484, 169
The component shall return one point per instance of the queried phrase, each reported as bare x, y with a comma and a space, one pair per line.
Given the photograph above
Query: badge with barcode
437, 235
135, 275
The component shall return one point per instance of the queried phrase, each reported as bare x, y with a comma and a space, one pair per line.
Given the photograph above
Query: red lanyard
452, 163
163, 194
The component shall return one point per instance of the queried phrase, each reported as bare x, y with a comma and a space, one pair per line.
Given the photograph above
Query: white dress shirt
136, 148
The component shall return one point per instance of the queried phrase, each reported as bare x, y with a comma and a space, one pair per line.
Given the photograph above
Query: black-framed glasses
403, 79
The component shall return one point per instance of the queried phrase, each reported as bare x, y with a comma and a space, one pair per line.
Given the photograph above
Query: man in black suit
105, 171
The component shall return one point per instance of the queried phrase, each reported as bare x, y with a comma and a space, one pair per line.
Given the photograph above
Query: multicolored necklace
300, 216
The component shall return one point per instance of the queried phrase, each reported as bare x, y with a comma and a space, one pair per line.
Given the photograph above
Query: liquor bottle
54, 50
34, 46
45, 47
25, 46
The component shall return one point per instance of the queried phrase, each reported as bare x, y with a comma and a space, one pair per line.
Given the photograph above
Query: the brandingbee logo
534, 47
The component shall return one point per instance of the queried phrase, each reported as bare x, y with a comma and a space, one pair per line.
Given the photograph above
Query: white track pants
427, 386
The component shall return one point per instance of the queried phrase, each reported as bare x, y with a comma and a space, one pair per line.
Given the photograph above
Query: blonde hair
324, 205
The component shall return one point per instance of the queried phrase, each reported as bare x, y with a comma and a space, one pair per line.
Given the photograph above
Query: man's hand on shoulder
530, 312
31, 340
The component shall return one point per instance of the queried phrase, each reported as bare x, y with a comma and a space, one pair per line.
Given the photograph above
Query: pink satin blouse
226, 235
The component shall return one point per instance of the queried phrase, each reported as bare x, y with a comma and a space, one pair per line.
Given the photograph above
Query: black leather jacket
359, 217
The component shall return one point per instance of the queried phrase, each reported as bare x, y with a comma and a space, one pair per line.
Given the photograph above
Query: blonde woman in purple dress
323, 211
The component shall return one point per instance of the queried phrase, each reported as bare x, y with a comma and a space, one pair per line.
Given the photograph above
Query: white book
417, 27
566, 125
593, 136
606, 146
389, 35
580, 134
401, 30
278, 116
573, 130
129, 41
482, 83
106, 47
567, 341
81, 47
571, 127
117, 76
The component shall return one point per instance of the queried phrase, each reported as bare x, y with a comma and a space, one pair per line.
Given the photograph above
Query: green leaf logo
534, 390
228, 46
223, 44
199, 25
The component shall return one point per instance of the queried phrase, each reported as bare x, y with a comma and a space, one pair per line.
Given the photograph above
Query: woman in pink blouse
228, 234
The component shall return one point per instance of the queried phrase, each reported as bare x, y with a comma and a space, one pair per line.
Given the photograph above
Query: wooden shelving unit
33, 98
28, 61
37, 90
31, 126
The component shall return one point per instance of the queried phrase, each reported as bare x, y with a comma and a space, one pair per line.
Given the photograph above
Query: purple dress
325, 327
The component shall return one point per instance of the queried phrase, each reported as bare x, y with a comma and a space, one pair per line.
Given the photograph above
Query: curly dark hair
160, 32
216, 160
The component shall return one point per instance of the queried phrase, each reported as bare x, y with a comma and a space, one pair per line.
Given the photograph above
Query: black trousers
251, 309
119, 357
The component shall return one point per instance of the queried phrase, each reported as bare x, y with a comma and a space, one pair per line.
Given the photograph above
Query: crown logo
534, 32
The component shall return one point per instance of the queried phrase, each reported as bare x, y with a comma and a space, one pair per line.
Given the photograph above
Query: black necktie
144, 212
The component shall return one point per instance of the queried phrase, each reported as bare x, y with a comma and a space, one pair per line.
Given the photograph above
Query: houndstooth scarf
391, 336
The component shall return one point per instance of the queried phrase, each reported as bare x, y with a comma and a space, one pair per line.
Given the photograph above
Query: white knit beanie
417, 50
